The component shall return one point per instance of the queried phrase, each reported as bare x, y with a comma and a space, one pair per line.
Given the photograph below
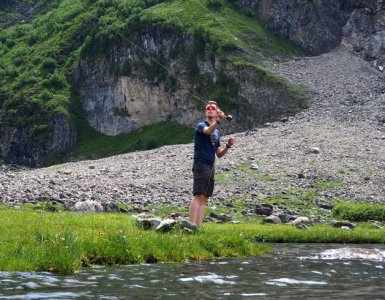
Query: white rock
315, 150
88, 206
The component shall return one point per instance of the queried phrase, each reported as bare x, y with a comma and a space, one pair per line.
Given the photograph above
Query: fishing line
196, 95
193, 92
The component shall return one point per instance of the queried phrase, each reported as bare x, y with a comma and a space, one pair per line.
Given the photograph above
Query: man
206, 145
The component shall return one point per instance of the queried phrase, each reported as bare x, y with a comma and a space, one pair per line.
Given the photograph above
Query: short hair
212, 102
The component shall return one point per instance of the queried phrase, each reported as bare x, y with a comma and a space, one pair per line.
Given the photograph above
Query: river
286, 273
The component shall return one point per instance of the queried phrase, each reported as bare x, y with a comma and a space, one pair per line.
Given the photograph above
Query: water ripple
58, 295
286, 281
210, 278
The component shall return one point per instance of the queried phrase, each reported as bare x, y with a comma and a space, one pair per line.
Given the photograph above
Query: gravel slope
335, 148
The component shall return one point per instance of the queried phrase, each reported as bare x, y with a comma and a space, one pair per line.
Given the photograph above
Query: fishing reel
227, 117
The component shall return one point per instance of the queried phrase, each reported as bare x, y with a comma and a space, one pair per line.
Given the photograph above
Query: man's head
211, 109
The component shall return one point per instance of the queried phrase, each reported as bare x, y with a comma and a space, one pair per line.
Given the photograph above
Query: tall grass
224, 26
63, 242
359, 212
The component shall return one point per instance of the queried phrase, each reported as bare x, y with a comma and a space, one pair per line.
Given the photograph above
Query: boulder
88, 206
341, 224
273, 219
110, 207
301, 222
263, 209
184, 223
166, 225
220, 217
150, 223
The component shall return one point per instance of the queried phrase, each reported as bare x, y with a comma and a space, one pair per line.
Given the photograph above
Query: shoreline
63, 242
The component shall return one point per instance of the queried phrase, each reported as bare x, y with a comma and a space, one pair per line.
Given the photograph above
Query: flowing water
287, 273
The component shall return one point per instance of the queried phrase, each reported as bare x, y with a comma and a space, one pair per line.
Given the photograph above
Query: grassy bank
63, 242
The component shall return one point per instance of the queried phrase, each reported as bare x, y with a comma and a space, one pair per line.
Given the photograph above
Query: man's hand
231, 141
221, 115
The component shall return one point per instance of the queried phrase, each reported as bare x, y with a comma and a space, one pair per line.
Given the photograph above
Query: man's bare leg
197, 202
201, 211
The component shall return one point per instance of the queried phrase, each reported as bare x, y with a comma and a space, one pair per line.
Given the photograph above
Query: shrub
49, 65
46, 95
359, 212
215, 4
55, 81
38, 130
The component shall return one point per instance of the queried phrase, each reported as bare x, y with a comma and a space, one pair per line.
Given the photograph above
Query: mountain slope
40, 62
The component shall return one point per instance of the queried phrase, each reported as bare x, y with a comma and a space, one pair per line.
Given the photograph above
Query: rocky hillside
129, 64
320, 26
304, 164
124, 65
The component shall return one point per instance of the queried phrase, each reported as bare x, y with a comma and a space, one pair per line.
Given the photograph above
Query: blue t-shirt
205, 146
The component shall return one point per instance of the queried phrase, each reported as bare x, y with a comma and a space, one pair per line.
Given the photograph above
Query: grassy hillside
38, 58
230, 30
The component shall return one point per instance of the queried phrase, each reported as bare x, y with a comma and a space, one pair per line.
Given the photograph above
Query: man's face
211, 110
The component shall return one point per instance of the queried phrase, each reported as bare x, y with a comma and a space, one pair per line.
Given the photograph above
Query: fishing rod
193, 92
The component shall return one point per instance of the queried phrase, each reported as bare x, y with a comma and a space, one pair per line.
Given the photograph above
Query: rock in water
351, 254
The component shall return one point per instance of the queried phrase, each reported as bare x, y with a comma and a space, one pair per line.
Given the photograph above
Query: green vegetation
359, 212
93, 144
243, 174
38, 59
63, 242
35, 60
233, 35
303, 201
225, 27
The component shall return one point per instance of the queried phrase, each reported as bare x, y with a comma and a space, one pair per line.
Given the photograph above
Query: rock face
22, 11
126, 90
16, 146
320, 26
364, 33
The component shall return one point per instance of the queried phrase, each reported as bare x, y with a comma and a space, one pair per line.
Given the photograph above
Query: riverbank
64, 242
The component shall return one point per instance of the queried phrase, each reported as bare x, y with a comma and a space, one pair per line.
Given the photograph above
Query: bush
38, 130
55, 81
359, 212
215, 4
49, 65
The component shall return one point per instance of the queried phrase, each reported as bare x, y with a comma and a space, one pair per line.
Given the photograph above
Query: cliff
123, 91
320, 26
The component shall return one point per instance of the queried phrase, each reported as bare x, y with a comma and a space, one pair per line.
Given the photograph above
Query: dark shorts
203, 179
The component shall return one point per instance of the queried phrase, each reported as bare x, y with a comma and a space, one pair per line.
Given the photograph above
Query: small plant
215, 4
359, 212
121, 112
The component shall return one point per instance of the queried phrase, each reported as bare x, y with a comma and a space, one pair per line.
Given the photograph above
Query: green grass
359, 212
35, 60
94, 145
63, 242
226, 27
243, 174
